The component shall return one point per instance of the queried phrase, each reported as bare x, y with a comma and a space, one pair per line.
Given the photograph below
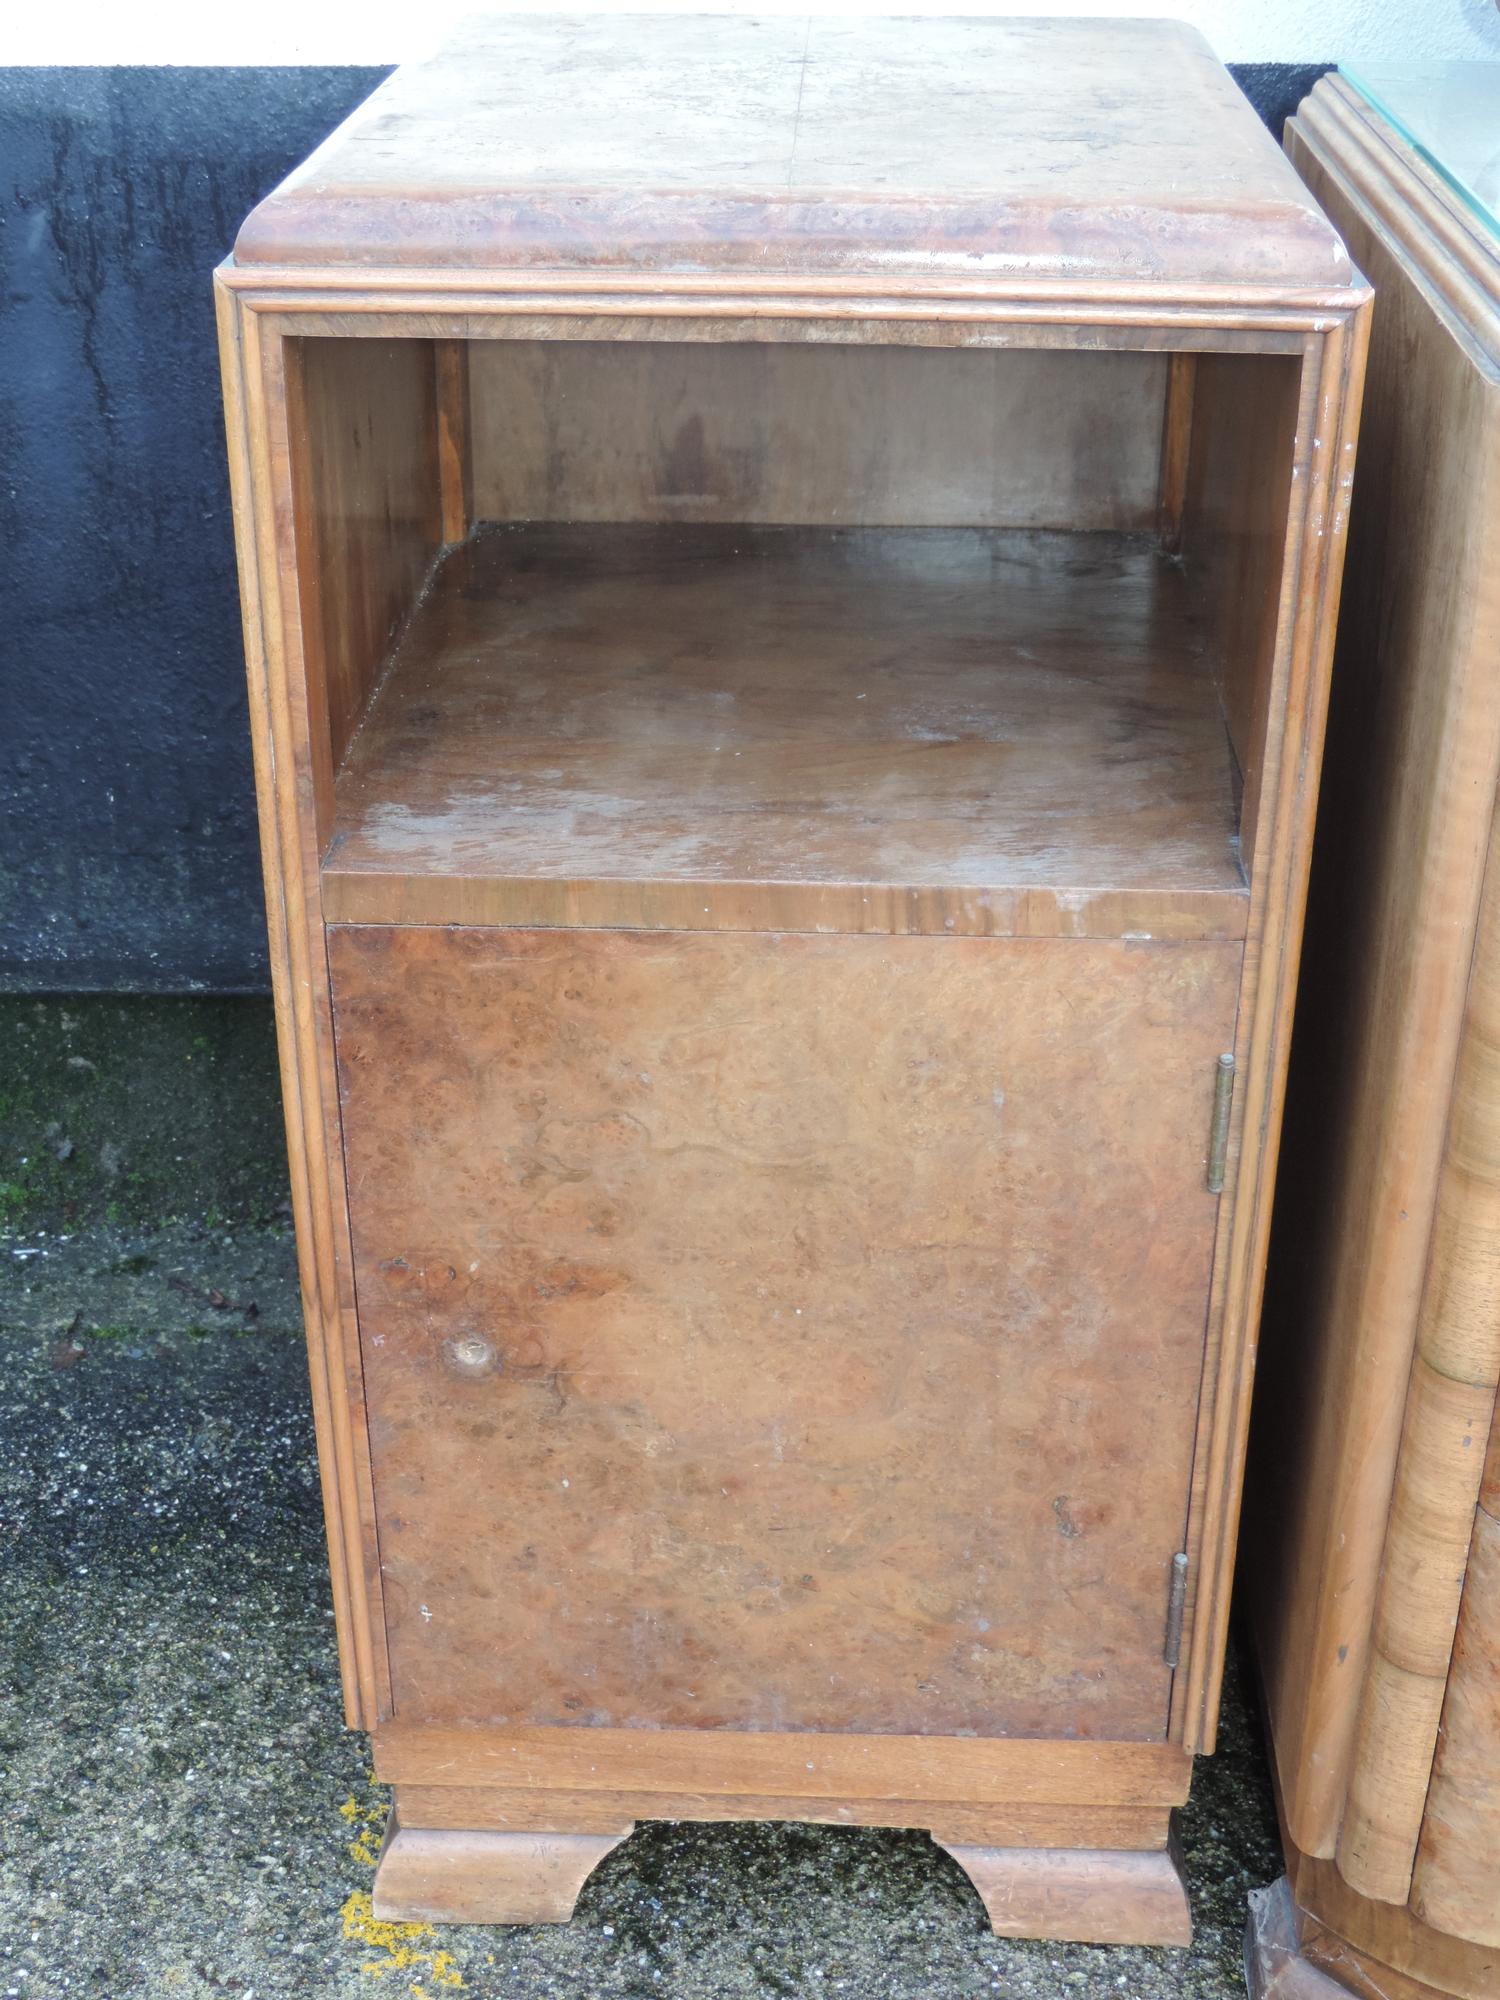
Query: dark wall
128, 857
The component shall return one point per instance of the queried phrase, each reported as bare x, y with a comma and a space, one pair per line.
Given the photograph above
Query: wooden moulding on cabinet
787, 730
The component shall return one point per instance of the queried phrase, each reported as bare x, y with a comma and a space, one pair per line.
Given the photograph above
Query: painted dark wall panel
128, 857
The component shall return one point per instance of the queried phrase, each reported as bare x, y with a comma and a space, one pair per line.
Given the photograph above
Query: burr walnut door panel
780, 1332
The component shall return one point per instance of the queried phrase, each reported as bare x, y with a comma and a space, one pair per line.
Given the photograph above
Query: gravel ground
181, 1810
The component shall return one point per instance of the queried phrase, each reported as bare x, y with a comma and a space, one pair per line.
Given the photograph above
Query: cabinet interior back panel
837, 435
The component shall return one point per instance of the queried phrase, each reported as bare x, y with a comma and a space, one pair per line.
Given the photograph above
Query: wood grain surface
1097, 1897
470, 1877
1233, 536
1379, 1354
1288, 734
776, 1317
368, 522
787, 433
797, 729
289, 755
1450, 1406
455, 437
1292, 1955
1456, 1885
709, 143
538, 1807
1176, 449
965, 1772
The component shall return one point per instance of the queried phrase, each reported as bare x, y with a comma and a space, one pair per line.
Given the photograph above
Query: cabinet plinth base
498, 1855
442, 1876
1082, 1895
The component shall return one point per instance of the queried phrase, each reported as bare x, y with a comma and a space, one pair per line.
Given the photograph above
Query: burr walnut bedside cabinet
788, 570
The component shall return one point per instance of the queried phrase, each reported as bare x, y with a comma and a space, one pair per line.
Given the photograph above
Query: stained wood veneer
836, 1179
788, 653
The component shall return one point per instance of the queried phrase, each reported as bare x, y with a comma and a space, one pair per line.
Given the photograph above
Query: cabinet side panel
891, 436
1408, 789
1233, 533
261, 487
363, 427
1287, 706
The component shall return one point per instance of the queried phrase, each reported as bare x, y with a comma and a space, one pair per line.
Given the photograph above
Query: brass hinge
1218, 1133
1176, 1605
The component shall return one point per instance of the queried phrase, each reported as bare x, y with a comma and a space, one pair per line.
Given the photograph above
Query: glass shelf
1450, 111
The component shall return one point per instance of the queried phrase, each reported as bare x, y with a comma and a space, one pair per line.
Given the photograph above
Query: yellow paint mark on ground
404, 1947
367, 1823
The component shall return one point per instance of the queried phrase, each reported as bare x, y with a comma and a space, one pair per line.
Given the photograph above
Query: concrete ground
181, 1811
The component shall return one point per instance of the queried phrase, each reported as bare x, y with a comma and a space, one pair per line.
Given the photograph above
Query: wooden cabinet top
1075, 153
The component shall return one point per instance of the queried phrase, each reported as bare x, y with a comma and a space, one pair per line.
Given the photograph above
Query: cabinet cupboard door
780, 1332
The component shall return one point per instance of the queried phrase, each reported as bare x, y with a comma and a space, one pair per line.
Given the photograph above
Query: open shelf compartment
676, 635
794, 728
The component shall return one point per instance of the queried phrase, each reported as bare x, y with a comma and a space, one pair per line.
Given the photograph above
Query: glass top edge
1450, 112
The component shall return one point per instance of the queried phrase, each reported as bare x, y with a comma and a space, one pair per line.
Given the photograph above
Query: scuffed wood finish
485, 1878
796, 729
1097, 1897
1290, 1955
888, 436
738, 1341
810, 145
1017, 1383
1381, 1352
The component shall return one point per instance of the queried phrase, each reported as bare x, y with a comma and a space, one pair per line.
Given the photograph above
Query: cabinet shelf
663, 726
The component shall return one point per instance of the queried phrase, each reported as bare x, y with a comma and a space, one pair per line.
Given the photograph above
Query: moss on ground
138, 1111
